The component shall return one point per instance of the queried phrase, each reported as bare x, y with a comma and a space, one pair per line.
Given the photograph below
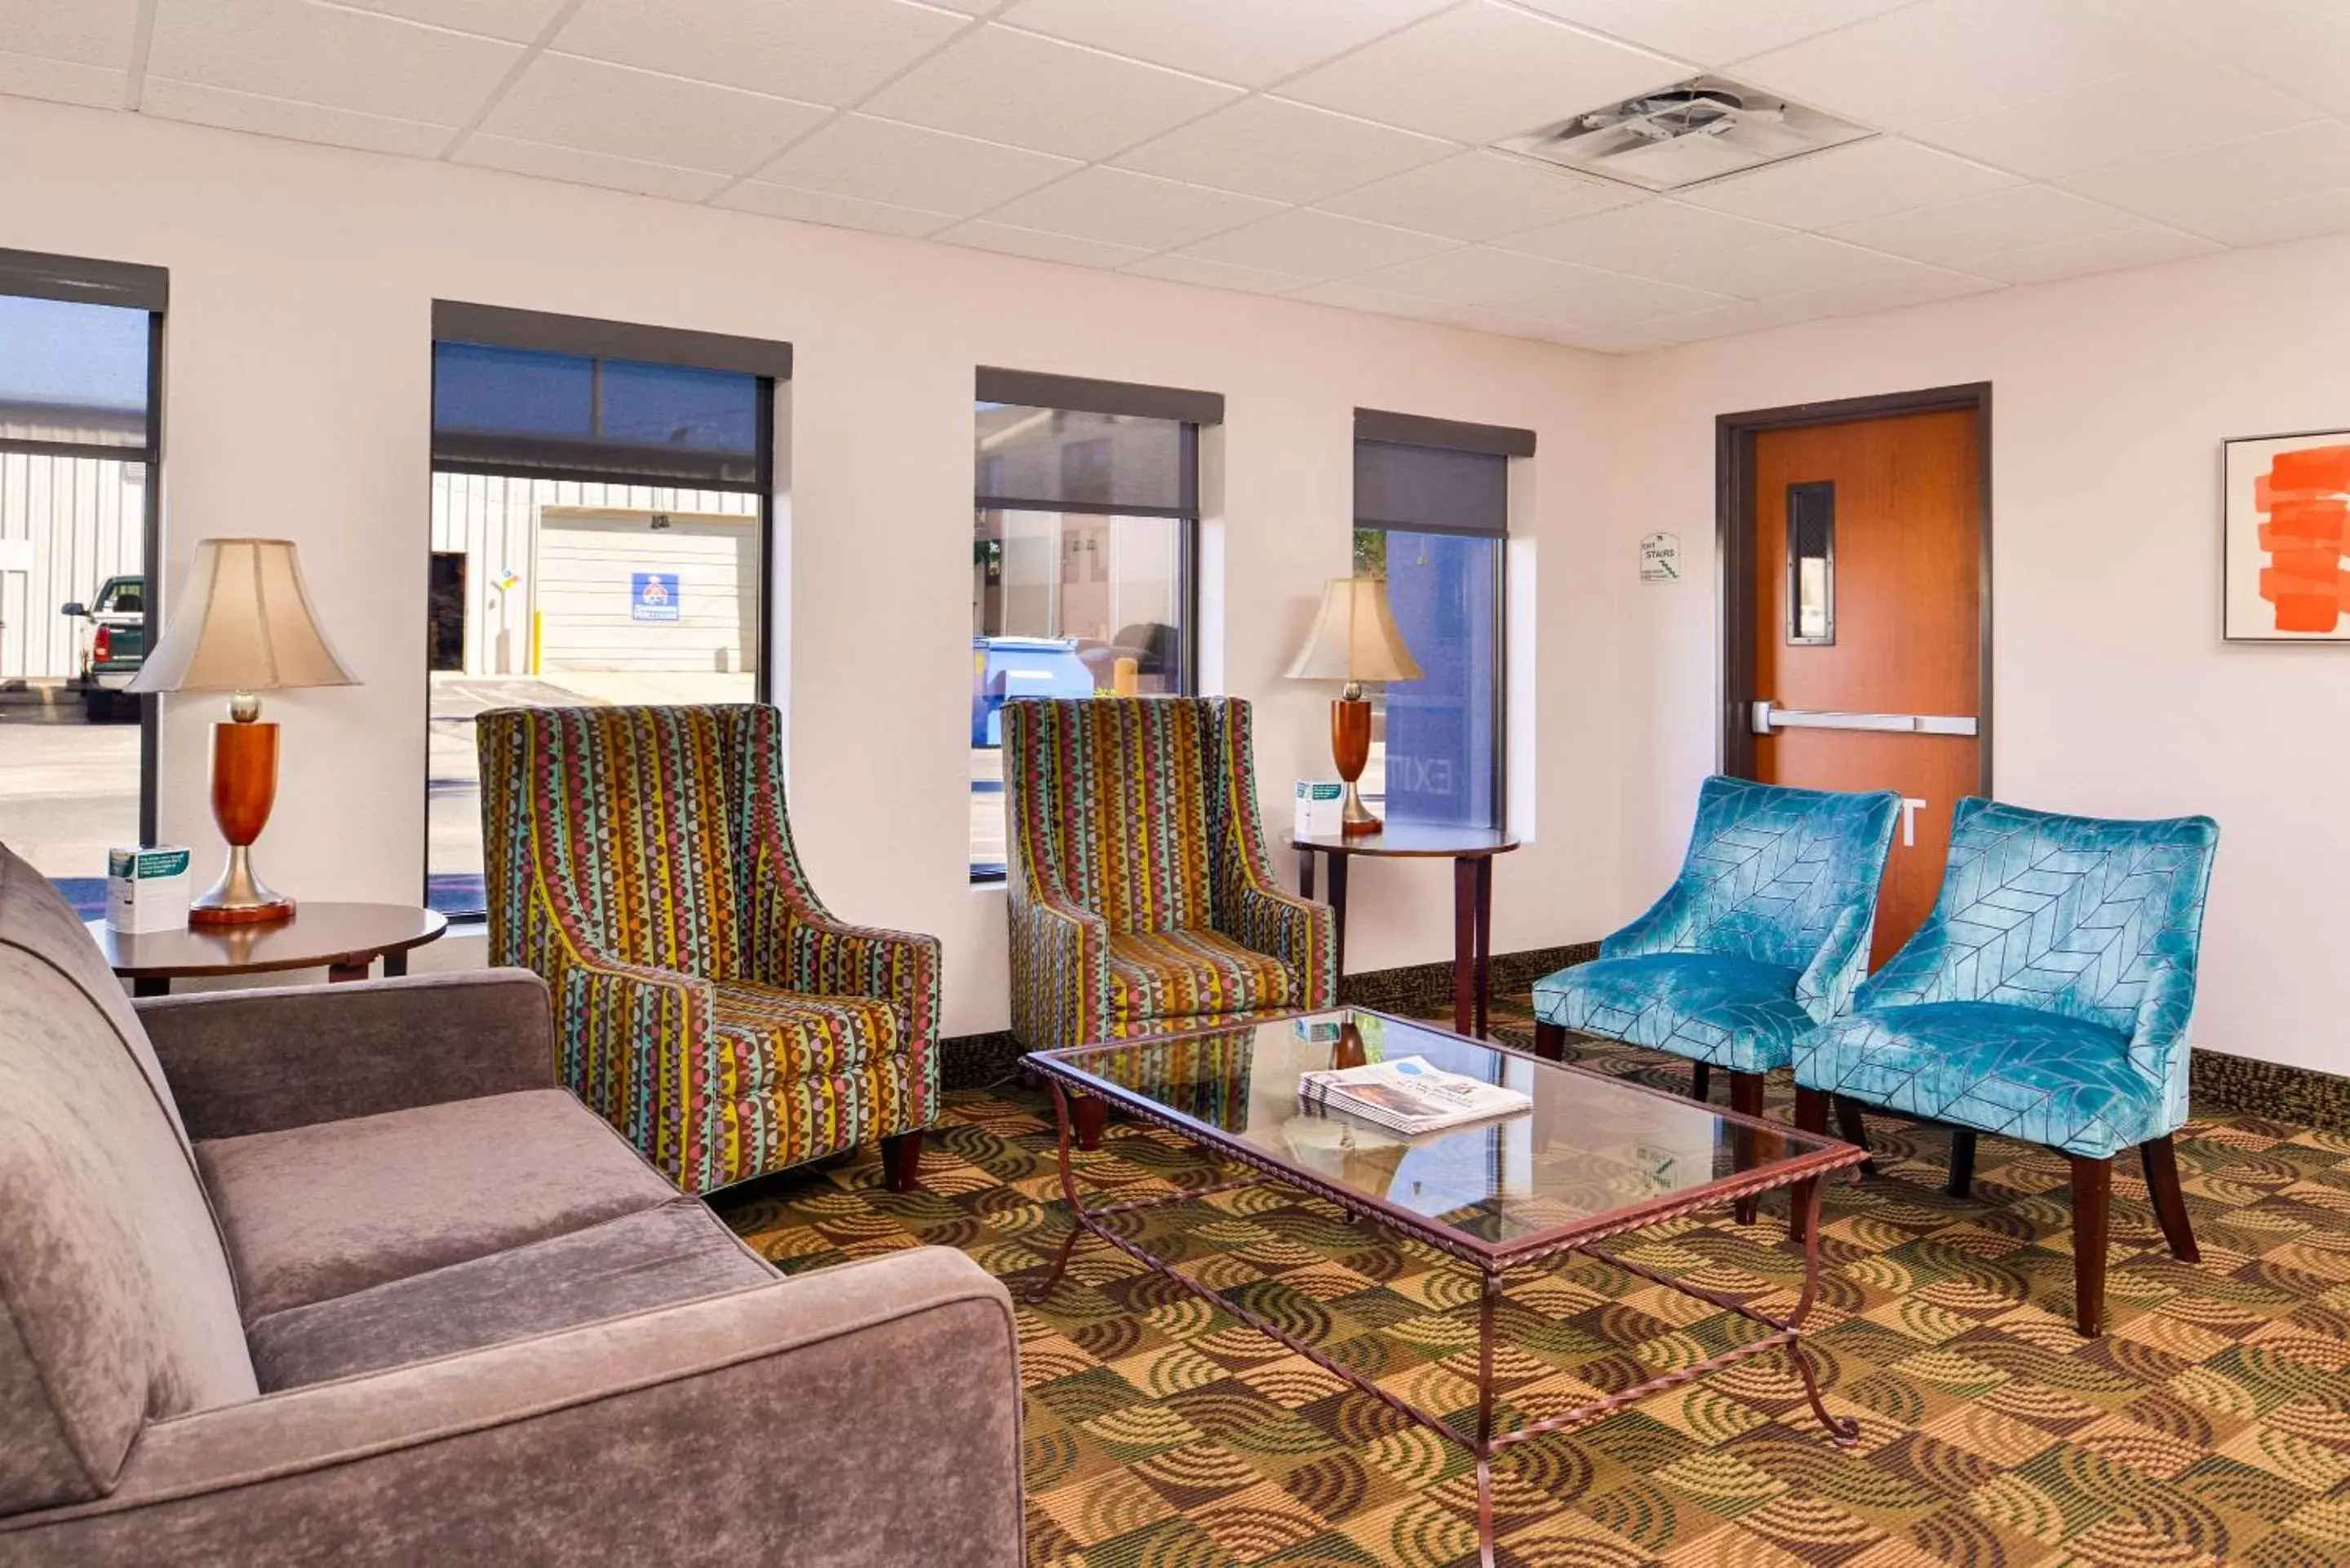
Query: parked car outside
113, 643
1007, 666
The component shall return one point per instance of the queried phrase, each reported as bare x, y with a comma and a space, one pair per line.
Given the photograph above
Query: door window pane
73, 373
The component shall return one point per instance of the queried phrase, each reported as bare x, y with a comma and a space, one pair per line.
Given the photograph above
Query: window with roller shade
602, 496
1431, 517
81, 375
1085, 534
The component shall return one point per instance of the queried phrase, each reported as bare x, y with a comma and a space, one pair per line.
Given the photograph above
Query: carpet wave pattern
2212, 1426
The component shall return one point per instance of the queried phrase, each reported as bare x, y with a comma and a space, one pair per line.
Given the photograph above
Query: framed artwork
2285, 504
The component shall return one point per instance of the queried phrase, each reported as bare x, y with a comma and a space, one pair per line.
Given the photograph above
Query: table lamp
244, 626
1354, 639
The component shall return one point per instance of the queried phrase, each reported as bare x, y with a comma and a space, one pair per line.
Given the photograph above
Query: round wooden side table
345, 938
1472, 852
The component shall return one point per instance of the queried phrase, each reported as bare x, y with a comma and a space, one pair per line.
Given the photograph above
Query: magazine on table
1407, 1096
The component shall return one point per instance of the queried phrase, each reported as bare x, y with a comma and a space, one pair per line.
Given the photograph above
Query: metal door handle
1770, 719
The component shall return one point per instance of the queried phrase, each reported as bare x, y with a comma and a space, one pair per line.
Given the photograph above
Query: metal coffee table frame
1493, 1263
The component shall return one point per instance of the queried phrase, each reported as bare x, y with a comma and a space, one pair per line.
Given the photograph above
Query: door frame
1734, 531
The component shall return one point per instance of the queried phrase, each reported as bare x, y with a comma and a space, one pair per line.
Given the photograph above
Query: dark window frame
1380, 427
501, 326
1189, 411
79, 280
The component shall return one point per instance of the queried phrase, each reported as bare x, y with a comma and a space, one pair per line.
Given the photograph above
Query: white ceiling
1335, 150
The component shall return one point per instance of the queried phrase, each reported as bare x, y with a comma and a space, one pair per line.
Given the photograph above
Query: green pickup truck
113, 645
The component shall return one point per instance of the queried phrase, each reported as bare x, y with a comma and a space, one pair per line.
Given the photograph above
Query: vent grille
1700, 130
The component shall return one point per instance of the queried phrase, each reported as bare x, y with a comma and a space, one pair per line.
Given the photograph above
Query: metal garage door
649, 592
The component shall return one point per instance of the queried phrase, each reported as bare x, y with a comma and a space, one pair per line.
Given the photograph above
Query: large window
1084, 536
601, 496
1431, 517
79, 367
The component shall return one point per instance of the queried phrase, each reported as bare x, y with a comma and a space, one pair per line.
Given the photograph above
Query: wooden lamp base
244, 786
1351, 749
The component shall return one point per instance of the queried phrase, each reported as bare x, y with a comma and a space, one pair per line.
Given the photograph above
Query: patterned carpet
2211, 1425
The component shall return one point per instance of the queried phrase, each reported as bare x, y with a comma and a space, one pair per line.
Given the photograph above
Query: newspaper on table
1407, 1096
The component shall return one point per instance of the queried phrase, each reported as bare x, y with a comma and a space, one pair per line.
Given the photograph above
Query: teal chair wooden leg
1962, 1161
2092, 1200
1701, 1081
2161, 1162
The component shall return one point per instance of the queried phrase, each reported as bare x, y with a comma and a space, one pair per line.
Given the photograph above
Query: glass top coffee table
1593, 1158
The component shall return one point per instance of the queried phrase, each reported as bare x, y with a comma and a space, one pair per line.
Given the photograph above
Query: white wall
297, 366
301, 279
2114, 693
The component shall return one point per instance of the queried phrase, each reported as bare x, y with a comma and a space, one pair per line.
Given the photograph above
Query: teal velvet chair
1764, 935
2045, 999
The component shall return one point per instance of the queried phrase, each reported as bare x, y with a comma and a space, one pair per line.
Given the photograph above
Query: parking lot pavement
68, 790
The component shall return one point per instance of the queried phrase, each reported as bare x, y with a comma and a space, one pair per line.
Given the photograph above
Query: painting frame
2258, 597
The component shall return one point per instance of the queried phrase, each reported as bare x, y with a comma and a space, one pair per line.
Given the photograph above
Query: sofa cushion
765, 1036
1190, 974
320, 1211
655, 1257
1730, 1013
116, 1303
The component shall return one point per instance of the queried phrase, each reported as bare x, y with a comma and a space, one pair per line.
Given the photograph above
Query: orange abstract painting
2288, 547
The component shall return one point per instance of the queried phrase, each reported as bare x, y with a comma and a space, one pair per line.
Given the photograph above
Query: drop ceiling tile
2271, 223
1779, 266
1042, 246
838, 212
1601, 341
1351, 296
1939, 59
1477, 196
1129, 209
85, 32
907, 166
1473, 274
562, 100
2143, 245
816, 51
1844, 184
2007, 220
2186, 187
1652, 233
1317, 245
1714, 32
1722, 321
1481, 72
1252, 41
2123, 119
517, 21
583, 168
1030, 91
62, 81
1589, 297
1179, 268
168, 99
2302, 46
336, 59
1910, 285
1283, 151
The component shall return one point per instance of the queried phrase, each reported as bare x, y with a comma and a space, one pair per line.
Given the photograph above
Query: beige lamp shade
1355, 636
242, 624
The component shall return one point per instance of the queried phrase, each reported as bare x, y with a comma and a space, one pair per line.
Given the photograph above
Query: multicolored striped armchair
1142, 897
706, 1003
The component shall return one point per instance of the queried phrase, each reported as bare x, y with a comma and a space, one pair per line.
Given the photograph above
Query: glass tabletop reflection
1589, 1150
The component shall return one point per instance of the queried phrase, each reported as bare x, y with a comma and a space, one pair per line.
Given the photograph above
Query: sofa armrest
863, 1416
261, 1061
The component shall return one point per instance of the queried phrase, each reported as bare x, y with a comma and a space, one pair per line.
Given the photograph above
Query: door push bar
1770, 719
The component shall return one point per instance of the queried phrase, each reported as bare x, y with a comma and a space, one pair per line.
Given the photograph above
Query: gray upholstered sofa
335, 1275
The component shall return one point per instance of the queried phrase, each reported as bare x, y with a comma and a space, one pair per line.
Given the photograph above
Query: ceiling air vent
1679, 136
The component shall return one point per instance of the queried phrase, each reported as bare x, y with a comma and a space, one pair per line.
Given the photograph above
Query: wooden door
1868, 627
